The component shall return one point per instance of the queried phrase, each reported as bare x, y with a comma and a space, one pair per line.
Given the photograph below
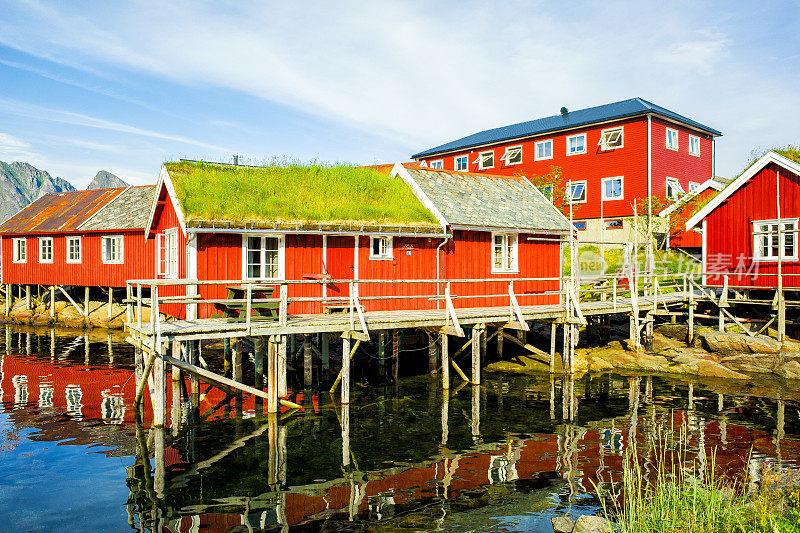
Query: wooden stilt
445, 362
176, 354
110, 302
9, 298
476, 354
259, 351
553, 332
308, 362
194, 356
86, 301
433, 356
500, 340
382, 355
52, 301
325, 341
28, 297
226, 354
395, 353
282, 385
272, 390
159, 397
345, 370
690, 332
236, 355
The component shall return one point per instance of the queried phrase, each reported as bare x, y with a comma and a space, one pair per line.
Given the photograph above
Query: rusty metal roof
59, 212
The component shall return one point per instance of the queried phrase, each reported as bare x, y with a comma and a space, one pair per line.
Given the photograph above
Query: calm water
506, 456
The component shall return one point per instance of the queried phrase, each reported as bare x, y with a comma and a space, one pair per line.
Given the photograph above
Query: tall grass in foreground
680, 496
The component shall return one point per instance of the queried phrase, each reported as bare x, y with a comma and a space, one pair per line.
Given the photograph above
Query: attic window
485, 160
674, 189
380, 247
611, 138
513, 155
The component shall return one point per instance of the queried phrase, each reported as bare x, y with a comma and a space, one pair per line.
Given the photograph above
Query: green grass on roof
791, 152
294, 193
788, 151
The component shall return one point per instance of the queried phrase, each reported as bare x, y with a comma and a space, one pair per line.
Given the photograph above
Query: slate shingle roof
582, 117
481, 200
129, 210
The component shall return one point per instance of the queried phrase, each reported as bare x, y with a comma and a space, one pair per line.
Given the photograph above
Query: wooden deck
182, 330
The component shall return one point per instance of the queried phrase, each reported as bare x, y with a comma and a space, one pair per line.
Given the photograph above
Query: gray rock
730, 344
790, 370
105, 180
563, 524
592, 524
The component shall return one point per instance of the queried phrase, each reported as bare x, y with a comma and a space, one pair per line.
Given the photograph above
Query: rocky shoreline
67, 316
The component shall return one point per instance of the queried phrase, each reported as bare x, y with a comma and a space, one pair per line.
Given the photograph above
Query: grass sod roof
295, 193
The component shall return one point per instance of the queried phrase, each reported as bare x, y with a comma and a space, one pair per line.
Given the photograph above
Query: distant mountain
21, 183
106, 180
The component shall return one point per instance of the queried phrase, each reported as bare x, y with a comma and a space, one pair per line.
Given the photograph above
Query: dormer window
611, 138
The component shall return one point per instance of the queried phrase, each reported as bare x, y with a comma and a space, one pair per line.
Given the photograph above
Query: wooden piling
110, 302
500, 344
433, 358
476, 353
445, 362
280, 369
395, 353
308, 362
272, 391
159, 398
52, 301
382, 354
690, 332
86, 301
553, 332
325, 341
259, 351
345, 370
28, 297
236, 355
226, 354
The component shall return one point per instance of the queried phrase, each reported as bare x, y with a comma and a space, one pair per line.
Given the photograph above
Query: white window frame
120, 249
670, 145
787, 234
693, 186
43, 240
568, 192
69, 241
167, 264
677, 182
608, 132
576, 152
536, 150
621, 188
387, 252
281, 255
18, 257
512, 150
437, 164
513, 267
694, 141
465, 159
607, 227
482, 158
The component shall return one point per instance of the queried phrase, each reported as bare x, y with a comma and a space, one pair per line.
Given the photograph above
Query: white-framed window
485, 160
611, 138
263, 256
20, 250
513, 155
766, 243
45, 249
504, 252
693, 186
380, 247
547, 191
613, 188
576, 192
576, 144
438, 164
672, 139
674, 189
614, 224
543, 150
167, 251
694, 145
73, 249
461, 162
112, 249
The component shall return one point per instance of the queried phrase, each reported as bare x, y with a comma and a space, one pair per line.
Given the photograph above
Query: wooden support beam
282, 386
529, 347
340, 376
433, 356
459, 371
308, 362
160, 396
272, 377
28, 297
86, 301
476, 353
69, 298
553, 332
500, 339
445, 362
345, 373
395, 354
236, 360
110, 302
325, 341
382, 354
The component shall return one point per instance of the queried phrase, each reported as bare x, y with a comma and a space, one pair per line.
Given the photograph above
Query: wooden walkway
185, 330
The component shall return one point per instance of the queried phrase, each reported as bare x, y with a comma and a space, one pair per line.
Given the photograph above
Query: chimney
236, 160
564, 111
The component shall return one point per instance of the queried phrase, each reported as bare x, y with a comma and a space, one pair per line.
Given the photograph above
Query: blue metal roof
582, 117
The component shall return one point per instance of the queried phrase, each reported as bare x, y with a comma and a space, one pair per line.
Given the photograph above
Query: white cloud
695, 56
14, 149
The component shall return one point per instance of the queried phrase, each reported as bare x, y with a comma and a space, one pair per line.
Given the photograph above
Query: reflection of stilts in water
445, 419
780, 433
552, 397
723, 421
633, 408
52, 345
110, 350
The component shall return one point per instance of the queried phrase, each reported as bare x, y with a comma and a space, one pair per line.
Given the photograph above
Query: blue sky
124, 86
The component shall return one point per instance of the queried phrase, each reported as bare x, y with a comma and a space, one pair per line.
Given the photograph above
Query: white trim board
755, 168
165, 181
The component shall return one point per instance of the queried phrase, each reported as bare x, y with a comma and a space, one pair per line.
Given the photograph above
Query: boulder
673, 331
592, 524
729, 344
562, 524
790, 370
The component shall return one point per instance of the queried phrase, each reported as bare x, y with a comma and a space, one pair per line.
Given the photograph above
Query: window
73, 249
20, 250
168, 253
766, 244
611, 138
547, 191
580, 225
112, 249
672, 139
674, 189
513, 155
543, 150
694, 145
576, 144
461, 163
263, 257
576, 192
504, 254
45, 249
485, 160
438, 164
614, 224
380, 247
693, 186
612, 188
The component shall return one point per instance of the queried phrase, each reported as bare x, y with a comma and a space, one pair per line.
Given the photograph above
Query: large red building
92, 238
611, 154
752, 225
469, 225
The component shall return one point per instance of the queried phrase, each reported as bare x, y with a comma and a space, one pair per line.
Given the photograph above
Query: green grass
294, 192
682, 496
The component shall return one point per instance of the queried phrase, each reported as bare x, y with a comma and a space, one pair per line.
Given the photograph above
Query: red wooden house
401, 224
676, 215
752, 225
90, 238
611, 154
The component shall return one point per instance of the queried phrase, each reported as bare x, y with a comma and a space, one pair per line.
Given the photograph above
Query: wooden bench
264, 311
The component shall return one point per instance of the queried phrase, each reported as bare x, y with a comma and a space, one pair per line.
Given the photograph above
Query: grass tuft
294, 192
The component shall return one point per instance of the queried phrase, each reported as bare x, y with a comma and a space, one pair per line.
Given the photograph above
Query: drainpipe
438, 270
